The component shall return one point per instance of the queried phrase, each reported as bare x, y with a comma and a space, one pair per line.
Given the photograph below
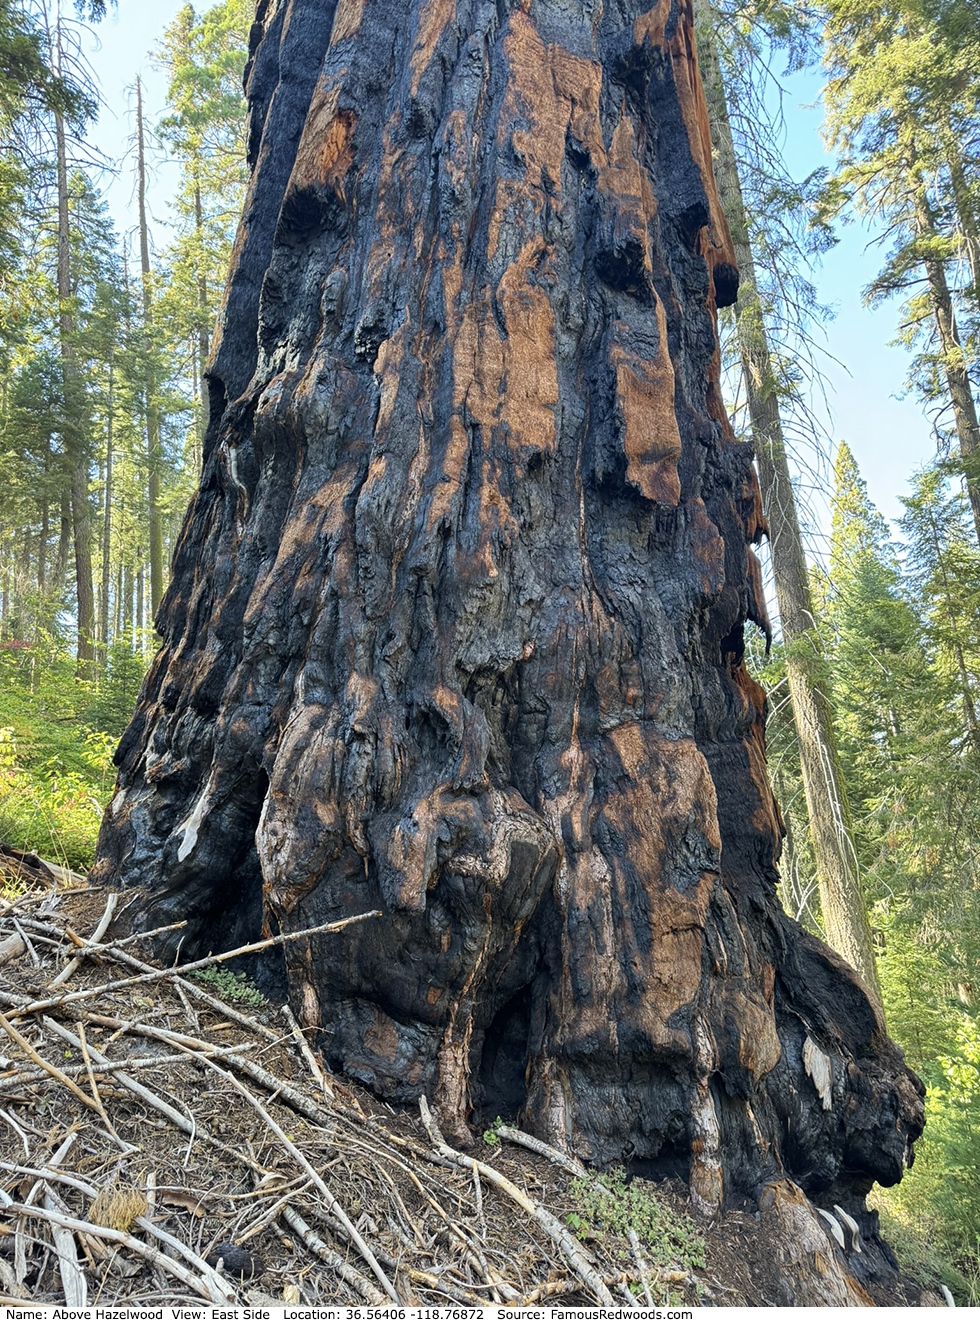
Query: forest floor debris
169, 1139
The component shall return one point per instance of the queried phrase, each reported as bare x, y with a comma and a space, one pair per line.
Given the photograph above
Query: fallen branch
328, 1197
11, 947
569, 1285
272, 1213
15, 1081
157, 1103
432, 1280
543, 1149
73, 1281
126, 1147
17, 1130
114, 951
326, 1254
180, 970
51, 1173
222, 1007
640, 1265
88, 945
315, 1068
47, 1066
155, 1257
297, 1100
548, 1223
94, 939
145, 1094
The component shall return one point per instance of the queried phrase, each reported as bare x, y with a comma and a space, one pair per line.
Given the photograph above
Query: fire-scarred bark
456, 621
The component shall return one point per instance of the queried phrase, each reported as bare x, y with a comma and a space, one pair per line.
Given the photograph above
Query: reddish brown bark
455, 626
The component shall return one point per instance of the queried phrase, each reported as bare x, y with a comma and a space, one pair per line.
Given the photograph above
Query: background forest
874, 674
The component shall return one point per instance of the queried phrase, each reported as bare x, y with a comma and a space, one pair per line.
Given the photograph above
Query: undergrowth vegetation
932, 1218
612, 1203
57, 737
231, 986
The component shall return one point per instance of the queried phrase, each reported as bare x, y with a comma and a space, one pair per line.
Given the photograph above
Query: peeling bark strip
455, 628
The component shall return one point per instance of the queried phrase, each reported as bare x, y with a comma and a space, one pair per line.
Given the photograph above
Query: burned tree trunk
455, 626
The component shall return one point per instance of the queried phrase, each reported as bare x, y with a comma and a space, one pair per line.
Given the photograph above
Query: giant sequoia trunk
455, 626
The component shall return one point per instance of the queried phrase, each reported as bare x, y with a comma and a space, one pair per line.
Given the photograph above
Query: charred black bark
456, 620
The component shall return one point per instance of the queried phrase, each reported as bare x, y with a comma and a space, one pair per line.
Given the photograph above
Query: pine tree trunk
128, 608
139, 618
953, 359
456, 623
64, 542
968, 222
45, 533
105, 634
153, 450
845, 916
118, 626
81, 514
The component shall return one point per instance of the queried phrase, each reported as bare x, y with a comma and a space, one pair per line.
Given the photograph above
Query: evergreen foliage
128, 371
900, 622
130, 359
903, 629
904, 117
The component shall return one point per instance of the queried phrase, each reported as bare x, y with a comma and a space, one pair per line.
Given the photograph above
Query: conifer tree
841, 901
205, 132
904, 652
902, 111
152, 407
878, 667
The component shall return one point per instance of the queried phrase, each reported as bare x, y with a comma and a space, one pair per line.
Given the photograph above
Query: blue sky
889, 436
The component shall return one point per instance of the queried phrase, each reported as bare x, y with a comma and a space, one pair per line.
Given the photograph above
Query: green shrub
490, 1136
610, 1203
231, 986
51, 810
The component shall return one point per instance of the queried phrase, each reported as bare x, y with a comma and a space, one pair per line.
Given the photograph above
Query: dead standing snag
456, 622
